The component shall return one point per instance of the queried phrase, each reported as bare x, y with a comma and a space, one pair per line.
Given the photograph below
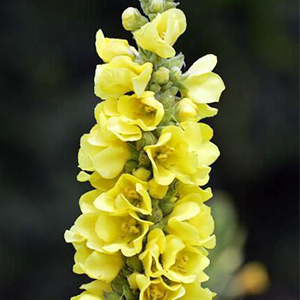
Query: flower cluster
145, 230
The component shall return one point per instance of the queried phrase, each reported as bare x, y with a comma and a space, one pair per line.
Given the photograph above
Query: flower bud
161, 76
156, 190
154, 87
186, 110
130, 165
157, 215
167, 206
156, 6
141, 173
167, 99
134, 263
175, 74
111, 296
132, 19
144, 159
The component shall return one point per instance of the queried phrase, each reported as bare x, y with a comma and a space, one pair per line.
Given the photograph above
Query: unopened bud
167, 99
111, 296
156, 190
134, 263
156, 6
130, 165
154, 87
161, 76
157, 215
141, 173
144, 159
175, 74
166, 206
132, 19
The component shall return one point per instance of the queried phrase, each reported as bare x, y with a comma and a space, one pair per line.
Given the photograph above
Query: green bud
174, 90
144, 159
167, 206
170, 5
175, 74
157, 215
111, 296
156, 6
176, 61
135, 264
130, 165
127, 292
150, 139
154, 87
132, 19
167, 99
162, 224
161, 76
167, 86
118, 283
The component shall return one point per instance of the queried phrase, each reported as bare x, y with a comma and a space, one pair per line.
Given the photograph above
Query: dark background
47, 63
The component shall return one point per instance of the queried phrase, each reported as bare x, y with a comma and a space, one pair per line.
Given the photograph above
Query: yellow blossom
120, 76
184, 153
144, 111
183, 263
187, 110
102, 154
192, 222
126, 117
128, 195
93, 291
156, 243
108, 48
159, 35
96, 264
200, 84
125, 232
155, 289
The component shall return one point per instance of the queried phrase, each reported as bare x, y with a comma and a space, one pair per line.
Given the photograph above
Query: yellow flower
194, 291
124, 232
97, 265
200, 84
183, 263
120, 76
187, 110
93, 291
155, 289
156, 243
100, 153
108, 48
161, 34
144, 111
184, 153
124, 118
191, 221
128, 195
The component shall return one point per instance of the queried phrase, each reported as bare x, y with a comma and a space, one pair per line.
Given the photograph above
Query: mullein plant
145, 230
